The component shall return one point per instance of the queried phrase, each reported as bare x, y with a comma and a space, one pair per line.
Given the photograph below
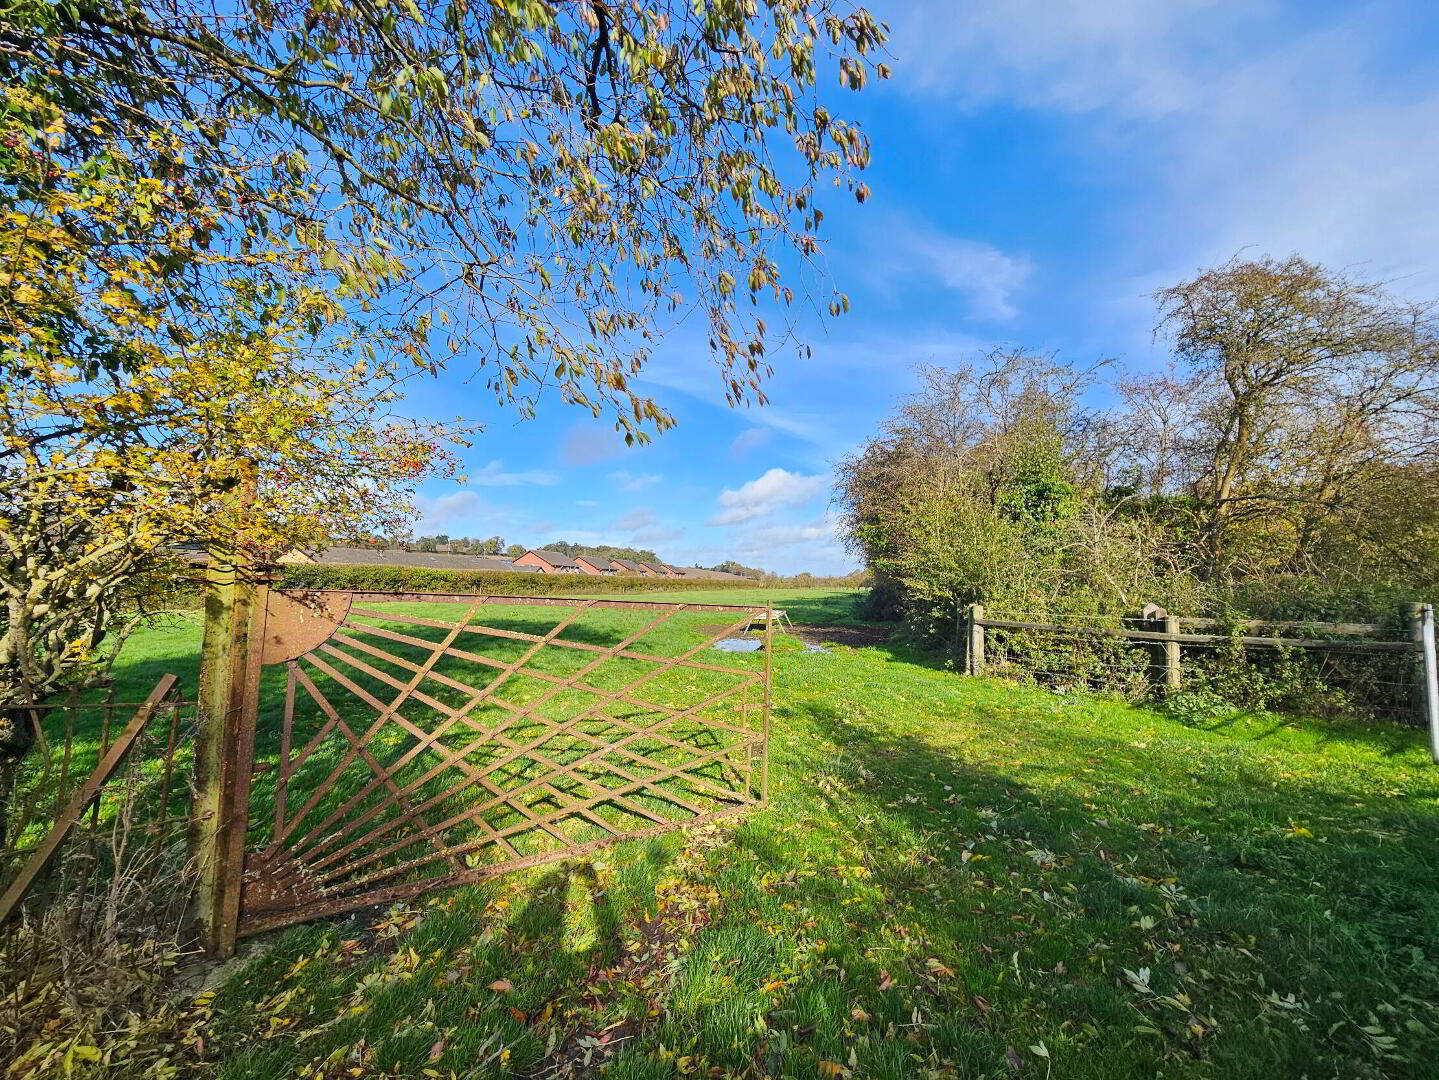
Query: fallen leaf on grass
832, 1068
885, 982
502, 986
1011, 1055
858, 1014
437, 1049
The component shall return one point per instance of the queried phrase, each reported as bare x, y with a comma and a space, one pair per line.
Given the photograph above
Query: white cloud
494, 475
634, 481
771, 536
772, 491
460, 513
1071, 55
1210, 128
790, 547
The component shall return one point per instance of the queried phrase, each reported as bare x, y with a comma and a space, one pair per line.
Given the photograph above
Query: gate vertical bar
768, 699
225, 747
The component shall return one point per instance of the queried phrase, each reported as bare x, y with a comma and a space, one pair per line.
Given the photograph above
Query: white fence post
1431, 677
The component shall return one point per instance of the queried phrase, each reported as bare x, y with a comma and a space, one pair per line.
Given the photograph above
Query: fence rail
1165, 636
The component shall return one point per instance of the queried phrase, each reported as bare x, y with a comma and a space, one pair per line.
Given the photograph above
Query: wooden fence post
1166, 654
225, 748
1173, 672
974, 656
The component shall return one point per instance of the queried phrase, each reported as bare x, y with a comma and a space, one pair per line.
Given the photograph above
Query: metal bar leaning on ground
87, 791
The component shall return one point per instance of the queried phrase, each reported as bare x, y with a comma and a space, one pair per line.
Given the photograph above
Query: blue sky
1040, 168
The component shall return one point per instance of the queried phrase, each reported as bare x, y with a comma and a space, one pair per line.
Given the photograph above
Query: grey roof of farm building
360, 556
599, 562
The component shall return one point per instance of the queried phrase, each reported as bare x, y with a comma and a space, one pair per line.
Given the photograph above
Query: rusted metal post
225, 748
974, 656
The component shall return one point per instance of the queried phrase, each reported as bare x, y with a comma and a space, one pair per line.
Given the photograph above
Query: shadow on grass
1386, 737
1229, 884
930, 913
460, 990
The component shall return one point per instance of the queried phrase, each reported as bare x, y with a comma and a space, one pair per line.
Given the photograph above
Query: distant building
594, 565
431, 560
549, 562
625, 566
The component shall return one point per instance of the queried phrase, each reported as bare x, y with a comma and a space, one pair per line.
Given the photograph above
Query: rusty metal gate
382, 751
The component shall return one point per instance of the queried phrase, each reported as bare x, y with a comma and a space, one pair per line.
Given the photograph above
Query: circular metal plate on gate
298, 622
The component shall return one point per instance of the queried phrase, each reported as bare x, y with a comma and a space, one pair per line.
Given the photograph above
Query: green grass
955, 877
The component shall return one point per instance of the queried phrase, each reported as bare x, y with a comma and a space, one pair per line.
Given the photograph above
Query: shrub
492, 582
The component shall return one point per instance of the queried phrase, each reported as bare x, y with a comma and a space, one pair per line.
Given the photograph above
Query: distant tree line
729, 566
603, 551
462, 545
495, 545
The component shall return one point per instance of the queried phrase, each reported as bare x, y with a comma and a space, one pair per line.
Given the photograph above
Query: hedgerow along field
955, 877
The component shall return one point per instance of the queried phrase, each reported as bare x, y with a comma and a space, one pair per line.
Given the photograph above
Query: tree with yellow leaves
131, 417
228, 238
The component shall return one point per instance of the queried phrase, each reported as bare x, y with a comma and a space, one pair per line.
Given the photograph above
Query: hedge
482, 582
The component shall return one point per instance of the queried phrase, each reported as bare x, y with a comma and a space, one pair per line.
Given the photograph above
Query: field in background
956, 877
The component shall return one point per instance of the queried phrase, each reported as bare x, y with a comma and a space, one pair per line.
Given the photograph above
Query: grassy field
955, 877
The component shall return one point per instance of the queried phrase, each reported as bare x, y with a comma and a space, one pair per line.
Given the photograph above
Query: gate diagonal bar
399, 750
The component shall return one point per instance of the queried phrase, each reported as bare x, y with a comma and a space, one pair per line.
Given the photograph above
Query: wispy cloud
460, 513
494, 475
774, 490
635, 519
750, 439
1070, 55
987, 279
1212, 127
634, 481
